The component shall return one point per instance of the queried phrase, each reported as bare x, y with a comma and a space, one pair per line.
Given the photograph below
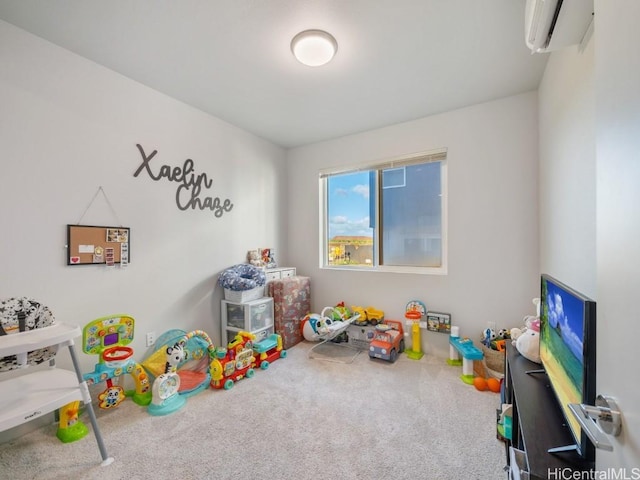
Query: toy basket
494, 361
242, 296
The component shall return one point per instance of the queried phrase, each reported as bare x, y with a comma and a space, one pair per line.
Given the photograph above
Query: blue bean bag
243, 276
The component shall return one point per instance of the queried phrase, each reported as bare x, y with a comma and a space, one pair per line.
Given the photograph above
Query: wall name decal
188, 193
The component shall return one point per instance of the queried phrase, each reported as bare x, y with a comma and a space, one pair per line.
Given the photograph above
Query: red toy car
388, 341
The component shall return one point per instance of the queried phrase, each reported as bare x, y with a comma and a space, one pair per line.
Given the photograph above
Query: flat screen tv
568, 353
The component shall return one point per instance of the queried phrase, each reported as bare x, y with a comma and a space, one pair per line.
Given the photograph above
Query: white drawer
290, 272
278, 273
272, 275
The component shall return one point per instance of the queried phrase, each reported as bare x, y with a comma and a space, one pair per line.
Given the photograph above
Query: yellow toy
362, 315
415, 313
368, 315
69, 421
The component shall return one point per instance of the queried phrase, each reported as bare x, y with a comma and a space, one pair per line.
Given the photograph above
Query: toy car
362, 316
368, 315
374, 316
388, 341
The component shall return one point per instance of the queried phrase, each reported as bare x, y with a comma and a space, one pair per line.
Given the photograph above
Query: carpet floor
332, 416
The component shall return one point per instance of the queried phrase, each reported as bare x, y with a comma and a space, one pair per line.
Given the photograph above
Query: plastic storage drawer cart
255, 317
292, 301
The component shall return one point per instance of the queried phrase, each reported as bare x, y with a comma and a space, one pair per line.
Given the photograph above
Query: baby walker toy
415, 313
108, 338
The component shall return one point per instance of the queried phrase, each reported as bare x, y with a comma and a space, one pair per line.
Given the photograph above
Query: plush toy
488, 336
340, 312
254, 258
503, 334
527, 340
514, 333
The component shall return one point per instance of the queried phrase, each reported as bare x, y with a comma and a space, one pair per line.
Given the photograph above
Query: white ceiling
397, 60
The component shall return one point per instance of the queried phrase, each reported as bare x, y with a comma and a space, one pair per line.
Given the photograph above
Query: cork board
93, 245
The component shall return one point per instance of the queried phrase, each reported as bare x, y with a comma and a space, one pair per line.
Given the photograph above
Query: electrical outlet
151, 338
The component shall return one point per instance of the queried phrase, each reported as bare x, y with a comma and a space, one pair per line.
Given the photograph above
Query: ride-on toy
388, 341
269, 350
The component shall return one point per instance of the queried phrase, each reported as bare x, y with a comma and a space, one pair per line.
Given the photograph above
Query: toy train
239, 359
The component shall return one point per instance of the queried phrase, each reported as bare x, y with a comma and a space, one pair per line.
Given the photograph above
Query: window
388, 216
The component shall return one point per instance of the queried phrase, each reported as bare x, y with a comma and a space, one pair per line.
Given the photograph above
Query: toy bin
243, 296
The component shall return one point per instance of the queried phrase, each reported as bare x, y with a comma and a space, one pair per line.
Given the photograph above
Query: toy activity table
469, 352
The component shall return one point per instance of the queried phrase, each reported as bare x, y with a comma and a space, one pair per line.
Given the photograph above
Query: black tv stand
532, 372
538, 423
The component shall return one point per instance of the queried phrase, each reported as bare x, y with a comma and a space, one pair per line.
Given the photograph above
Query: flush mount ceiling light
314, 47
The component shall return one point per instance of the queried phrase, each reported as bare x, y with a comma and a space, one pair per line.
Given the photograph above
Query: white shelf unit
279, 273
33, 394
255, 317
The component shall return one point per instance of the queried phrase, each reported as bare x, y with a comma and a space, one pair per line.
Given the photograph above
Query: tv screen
568, 352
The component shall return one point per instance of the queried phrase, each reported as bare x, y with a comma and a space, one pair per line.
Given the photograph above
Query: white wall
493, 217
568, 169
589, 197
617, 76
69, 126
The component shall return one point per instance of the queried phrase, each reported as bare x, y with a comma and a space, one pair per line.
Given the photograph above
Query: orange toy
494, 385
480, 383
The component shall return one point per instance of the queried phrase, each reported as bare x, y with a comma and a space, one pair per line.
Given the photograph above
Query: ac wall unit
554, 24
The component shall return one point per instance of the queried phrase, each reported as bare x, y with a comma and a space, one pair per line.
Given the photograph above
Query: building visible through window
391, 214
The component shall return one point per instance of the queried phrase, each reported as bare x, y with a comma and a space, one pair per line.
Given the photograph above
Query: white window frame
396, 162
